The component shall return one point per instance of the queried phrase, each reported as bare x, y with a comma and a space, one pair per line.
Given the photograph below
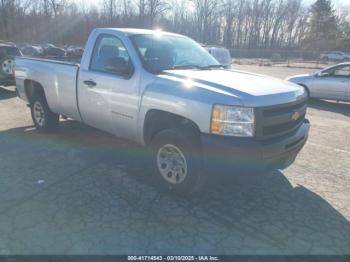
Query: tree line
252, 24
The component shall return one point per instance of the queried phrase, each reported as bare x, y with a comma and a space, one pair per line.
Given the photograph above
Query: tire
179, 147
44, 119
6, 66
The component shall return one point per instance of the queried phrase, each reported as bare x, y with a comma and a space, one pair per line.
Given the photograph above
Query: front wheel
44, 119
177, 161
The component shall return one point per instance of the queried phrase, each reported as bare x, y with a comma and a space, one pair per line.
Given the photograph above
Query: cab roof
138, 31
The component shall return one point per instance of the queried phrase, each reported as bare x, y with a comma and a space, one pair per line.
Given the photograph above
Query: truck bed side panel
57, 79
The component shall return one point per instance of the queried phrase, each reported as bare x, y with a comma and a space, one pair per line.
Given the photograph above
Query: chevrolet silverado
166, 92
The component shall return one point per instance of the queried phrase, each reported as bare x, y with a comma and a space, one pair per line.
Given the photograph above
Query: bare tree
205, 14
155, 8
255, 24
141, 5
228, 10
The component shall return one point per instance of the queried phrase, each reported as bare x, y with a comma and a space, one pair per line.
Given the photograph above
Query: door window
342, 71
107, 47
339, 71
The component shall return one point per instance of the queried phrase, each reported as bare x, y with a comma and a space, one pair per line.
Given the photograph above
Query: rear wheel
176, 161
6, 66
44, 119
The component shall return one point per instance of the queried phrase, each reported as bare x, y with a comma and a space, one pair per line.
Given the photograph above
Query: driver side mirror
118, 65
323, 74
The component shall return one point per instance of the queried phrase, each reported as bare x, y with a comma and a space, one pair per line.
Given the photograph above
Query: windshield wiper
211, 67
179, 67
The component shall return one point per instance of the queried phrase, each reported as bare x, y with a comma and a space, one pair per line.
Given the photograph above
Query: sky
342, 3
337, 3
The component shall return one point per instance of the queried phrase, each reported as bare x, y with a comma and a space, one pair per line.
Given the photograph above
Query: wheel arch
33, 88
158, 120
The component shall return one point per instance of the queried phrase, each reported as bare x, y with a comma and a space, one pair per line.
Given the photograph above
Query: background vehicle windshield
162, 52
10, 51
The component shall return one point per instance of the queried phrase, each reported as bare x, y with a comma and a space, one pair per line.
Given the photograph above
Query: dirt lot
81, 191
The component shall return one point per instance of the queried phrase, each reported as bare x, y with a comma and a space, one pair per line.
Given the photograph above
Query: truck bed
70, 60
57, 78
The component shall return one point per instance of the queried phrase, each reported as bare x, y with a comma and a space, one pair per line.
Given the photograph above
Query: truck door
333, 84
108, 98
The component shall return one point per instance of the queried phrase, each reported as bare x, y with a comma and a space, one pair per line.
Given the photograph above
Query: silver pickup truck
166, 92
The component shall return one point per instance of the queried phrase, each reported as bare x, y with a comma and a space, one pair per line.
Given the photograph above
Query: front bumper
227, 153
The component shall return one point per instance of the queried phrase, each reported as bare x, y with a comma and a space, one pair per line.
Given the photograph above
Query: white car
330, 83
221, 54
335, 56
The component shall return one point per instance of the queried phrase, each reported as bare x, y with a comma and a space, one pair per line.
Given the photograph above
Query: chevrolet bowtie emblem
295, 116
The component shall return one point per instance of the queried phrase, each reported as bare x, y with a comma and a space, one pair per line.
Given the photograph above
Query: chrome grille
279, 120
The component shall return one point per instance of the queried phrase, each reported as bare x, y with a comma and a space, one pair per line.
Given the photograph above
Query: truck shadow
263, 209
332, 106
6, 94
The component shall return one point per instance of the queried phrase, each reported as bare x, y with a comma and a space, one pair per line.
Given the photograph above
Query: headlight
301, 92
232, 121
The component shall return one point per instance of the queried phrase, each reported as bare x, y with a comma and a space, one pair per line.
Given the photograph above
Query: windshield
11, 51
167, 52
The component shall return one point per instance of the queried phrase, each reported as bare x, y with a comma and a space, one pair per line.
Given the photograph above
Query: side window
107, 47
342, 71
12, 51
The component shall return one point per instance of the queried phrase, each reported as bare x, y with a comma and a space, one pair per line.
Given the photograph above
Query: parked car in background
166, 92
221, 54
31, 50
74, 51
51, 50
47, 45
335, 56
7, 54
2, 42
21, 45
330, 83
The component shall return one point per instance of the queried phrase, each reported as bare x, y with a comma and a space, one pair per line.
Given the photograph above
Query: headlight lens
301, 92
233, 121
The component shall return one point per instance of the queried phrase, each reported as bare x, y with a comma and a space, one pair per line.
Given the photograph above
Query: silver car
335, 56
222, 55
330, 83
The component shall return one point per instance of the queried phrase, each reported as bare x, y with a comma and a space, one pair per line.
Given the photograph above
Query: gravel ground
81, 191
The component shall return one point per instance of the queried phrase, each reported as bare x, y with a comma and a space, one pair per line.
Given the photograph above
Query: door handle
90, 83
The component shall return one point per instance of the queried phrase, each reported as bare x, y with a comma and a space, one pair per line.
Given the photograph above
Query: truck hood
252, 89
